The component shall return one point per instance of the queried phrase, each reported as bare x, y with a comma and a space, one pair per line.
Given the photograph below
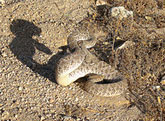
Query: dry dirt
33, 36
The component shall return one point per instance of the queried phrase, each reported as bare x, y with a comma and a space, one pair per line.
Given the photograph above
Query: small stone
102, 2
156, 87
20, 88
42, 118
163, 80
5, 115
16, 116
2, 1
148, 18
118, 38
51, 105
76, 99
120, 12
106, 43
51, 101
4, 54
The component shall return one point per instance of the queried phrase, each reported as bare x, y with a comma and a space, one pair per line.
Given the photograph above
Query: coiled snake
80, 62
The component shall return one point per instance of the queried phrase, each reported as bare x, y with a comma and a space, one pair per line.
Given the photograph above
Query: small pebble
106, 43
2, 1
5, 114
148, 18
4, 54
156, 87
20, 88
42, 118
102, 2
163, 80
120, 12
16, 116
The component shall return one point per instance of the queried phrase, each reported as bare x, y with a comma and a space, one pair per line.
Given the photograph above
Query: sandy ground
31, 34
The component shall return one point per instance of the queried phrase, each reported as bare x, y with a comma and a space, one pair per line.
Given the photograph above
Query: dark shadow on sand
23, 46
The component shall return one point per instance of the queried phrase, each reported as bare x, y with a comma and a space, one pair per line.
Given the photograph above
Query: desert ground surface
33, 36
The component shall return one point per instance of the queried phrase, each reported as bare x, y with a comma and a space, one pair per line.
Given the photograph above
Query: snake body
80, 62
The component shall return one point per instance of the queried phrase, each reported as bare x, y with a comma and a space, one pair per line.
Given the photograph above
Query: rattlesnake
80, 62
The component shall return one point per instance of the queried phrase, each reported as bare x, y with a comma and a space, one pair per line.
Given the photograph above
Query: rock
120, 12
42, 118
2, 1
163, 80
102, 2
20, 88
4, 54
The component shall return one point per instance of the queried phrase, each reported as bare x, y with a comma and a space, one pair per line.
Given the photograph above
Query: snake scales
80, 62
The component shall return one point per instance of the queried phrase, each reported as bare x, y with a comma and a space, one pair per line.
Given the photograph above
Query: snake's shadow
23, 46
